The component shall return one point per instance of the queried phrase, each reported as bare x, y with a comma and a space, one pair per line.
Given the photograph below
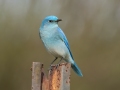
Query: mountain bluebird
56, 42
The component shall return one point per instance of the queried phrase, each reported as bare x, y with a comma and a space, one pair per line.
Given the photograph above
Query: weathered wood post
36, 75
58, 77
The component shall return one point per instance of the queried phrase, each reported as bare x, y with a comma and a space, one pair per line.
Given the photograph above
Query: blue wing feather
63, 37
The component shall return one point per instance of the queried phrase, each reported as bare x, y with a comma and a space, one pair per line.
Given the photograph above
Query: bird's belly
58, 49
57, 52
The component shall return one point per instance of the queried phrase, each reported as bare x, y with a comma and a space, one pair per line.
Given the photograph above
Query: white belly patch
58, 50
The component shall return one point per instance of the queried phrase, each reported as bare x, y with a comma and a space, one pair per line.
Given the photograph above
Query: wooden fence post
36, 75
57, 79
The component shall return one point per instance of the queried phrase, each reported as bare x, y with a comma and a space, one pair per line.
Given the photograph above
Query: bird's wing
64, 39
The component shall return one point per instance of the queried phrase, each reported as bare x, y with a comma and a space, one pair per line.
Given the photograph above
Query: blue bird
56, 42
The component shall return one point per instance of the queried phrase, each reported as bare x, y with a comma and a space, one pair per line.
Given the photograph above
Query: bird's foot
57, 66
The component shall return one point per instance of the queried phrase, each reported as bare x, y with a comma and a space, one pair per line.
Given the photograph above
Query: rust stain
55, 78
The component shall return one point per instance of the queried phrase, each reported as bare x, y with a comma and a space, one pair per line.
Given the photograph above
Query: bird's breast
53, 42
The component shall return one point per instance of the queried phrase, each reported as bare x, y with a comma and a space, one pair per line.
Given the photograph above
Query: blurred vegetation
92, 28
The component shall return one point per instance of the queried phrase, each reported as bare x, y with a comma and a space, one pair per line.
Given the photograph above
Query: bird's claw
57, 66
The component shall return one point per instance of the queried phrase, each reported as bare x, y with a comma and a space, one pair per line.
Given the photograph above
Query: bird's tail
76, 69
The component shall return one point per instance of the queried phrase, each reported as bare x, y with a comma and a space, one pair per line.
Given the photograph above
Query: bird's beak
59, 20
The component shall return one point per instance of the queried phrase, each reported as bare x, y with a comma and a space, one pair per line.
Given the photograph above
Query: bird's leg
53, 62
59, 62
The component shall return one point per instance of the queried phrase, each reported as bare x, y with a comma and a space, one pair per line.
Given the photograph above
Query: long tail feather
76, 69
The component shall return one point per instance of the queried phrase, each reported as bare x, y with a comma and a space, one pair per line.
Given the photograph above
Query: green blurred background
91, 26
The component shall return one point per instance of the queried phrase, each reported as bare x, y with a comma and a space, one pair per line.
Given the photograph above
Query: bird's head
50, 20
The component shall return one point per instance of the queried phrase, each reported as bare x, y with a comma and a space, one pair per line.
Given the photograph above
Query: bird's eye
50, 20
